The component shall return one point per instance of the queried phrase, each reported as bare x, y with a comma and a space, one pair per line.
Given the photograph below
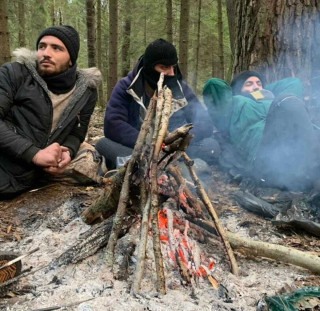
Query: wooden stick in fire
161, 123
124, 194
142, 248
206, 201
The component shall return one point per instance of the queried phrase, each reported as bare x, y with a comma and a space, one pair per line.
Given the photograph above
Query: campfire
151, 185
148, 212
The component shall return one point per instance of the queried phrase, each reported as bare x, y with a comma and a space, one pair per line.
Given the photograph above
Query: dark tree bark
184, 38
52, 12
220, 38
195, 75
125, 58
145, 23
99, 51
278, 38
113, 45
91, 32
60, 17
22, 23
4, 34
169, 21
231, 15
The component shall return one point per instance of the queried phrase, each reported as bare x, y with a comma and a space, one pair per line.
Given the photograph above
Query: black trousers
289, 150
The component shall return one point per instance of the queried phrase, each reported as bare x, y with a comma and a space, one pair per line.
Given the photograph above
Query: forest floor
49, 218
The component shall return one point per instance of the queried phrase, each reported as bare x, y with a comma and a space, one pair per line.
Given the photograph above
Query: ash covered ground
49, 218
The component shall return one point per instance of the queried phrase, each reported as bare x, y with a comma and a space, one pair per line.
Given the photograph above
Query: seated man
45, 107
269, 126
130, 98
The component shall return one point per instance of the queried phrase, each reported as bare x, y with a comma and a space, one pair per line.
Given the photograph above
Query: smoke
288, 153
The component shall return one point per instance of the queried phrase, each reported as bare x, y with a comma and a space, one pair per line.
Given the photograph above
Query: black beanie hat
68, 35
160, 51
239, 79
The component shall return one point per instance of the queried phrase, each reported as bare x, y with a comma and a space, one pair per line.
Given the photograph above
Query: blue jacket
127, 107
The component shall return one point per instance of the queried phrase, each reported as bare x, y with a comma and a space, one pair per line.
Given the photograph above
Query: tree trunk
220, 38
184, 38
60, 17
169, 21
52, 12
4, 34
197, 44
145, 23
99, 51
125, 58
231, 15
277, 37
113, 45
90, 32
22, 23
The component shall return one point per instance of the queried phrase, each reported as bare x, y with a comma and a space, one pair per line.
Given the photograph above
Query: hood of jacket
90, 77
137, 88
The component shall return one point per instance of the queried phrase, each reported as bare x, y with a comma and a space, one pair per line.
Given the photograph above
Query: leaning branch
206, 201
124, 194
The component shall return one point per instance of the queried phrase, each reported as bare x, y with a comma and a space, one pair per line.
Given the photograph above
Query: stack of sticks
155, 151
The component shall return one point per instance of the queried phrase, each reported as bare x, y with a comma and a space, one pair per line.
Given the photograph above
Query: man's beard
46, 72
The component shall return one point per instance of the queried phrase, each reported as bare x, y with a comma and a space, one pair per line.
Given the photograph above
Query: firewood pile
151, 186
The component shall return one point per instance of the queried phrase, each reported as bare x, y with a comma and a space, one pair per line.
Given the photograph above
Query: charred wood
123, 251
91, 241
107, 203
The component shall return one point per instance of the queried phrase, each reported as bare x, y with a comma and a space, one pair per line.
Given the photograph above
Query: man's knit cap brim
239, 80
68, 35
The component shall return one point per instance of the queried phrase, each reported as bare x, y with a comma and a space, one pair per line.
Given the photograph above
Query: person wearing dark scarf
45, 106
129, 100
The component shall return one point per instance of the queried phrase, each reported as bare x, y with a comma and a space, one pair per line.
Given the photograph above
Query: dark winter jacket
26, 118
127, 107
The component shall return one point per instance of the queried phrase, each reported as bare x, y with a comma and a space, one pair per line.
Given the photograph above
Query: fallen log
276, 252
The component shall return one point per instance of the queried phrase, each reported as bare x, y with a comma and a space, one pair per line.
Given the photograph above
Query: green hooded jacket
241, 117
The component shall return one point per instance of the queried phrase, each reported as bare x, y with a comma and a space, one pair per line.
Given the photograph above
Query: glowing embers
183, 252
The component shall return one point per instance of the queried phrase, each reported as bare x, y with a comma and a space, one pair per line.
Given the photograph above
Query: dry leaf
9, 229
17, 236
213, 282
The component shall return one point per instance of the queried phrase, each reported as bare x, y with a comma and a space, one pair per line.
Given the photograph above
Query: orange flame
182, 247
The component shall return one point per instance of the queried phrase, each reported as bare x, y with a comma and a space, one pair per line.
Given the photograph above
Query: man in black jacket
45, 107
129, 100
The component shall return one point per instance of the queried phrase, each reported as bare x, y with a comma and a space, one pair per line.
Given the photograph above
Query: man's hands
53, 159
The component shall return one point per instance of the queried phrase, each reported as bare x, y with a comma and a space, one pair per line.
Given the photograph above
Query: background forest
115, 33
214, 38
